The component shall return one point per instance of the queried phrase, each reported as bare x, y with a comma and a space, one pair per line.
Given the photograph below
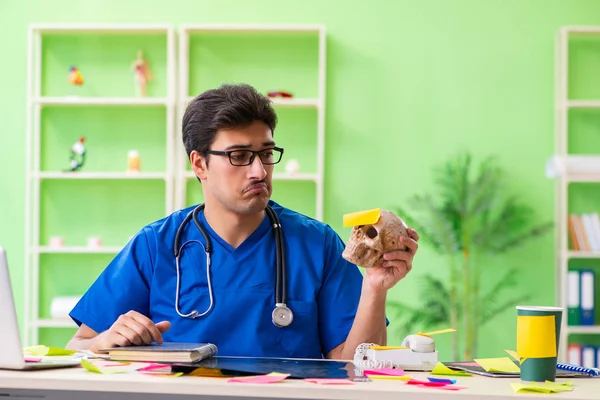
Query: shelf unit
563, 106
40, 96
316, 102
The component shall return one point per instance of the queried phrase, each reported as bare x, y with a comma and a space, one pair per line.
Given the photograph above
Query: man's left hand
395, 265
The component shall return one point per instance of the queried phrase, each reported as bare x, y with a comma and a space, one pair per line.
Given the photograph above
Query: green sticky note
41, 350
523, 387
500, 364
441, 369
547, 387
93, 368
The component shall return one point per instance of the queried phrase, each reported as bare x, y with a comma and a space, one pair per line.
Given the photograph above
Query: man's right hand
131, 329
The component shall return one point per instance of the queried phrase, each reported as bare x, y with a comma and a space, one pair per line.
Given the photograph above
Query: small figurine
75, 76
77, 155
133, 161
141, 74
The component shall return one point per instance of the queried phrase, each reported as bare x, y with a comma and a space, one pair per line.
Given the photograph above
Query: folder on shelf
588, 356
587, 297
574, 354
573, 298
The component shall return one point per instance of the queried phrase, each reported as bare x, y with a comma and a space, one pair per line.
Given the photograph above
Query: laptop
11, 350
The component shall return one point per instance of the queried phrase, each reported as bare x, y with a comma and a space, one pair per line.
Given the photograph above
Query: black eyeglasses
239, 158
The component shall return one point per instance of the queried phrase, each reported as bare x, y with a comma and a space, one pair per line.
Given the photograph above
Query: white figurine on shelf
292, 167
141, 74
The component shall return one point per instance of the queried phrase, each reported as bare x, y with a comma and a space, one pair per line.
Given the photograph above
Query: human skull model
368, 243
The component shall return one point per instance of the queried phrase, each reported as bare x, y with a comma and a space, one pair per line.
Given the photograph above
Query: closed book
169, 352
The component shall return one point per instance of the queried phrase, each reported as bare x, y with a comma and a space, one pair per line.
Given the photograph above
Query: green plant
471, 218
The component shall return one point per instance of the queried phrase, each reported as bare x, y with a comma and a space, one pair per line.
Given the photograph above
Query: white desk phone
416, 353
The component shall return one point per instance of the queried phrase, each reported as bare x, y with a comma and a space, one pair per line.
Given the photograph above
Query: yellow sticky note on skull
536, 336
367, 217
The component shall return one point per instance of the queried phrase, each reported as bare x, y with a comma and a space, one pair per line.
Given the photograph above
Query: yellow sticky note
388, 347
389, 377
513, 354
536, 336
441, 369
41, 350
367, 217
500, 364
437, 332
523, 387
547, 387
94, 368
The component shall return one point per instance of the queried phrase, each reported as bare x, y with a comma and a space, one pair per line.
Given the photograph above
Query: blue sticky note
441, 380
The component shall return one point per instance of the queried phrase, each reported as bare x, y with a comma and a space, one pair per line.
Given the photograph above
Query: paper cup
538, 337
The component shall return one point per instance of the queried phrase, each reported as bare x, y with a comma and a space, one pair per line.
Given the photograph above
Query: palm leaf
436, 228
491, 303
433, 309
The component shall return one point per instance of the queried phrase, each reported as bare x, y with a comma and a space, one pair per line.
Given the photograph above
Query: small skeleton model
75, 76
141, 74
77, 155
374, 233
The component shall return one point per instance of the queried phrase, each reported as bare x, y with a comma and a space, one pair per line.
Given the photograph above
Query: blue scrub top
323, 289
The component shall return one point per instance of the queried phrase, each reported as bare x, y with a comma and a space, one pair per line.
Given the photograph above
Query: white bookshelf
99, 101
183, 174
563, 104
76, 250
102, 175
36, 101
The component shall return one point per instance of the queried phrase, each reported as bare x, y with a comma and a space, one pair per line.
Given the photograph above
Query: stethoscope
282, 315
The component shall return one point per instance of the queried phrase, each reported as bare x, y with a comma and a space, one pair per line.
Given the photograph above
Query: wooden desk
77, 383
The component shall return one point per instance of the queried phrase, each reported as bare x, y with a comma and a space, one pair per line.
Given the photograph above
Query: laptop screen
10, 339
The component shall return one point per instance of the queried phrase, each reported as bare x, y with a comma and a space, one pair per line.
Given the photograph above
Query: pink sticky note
319, 381
270, 378
467, 364
426, 383
385, 371
154, 366
452, 387
33, 359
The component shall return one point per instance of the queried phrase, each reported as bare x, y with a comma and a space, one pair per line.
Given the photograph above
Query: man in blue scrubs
144, 295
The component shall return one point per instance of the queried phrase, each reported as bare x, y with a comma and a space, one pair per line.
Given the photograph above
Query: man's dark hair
228, 106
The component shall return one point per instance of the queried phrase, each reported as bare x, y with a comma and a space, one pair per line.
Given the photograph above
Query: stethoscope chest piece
282, 315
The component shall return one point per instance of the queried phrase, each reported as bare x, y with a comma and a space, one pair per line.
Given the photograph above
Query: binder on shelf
573, 298
588, 356
587, 297
574, 354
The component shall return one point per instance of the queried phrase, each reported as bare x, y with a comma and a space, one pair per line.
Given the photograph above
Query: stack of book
584, 231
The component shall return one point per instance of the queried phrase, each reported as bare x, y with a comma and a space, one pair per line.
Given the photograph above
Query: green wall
409, 83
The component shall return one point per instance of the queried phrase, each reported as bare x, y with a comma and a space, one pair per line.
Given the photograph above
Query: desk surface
80, 380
